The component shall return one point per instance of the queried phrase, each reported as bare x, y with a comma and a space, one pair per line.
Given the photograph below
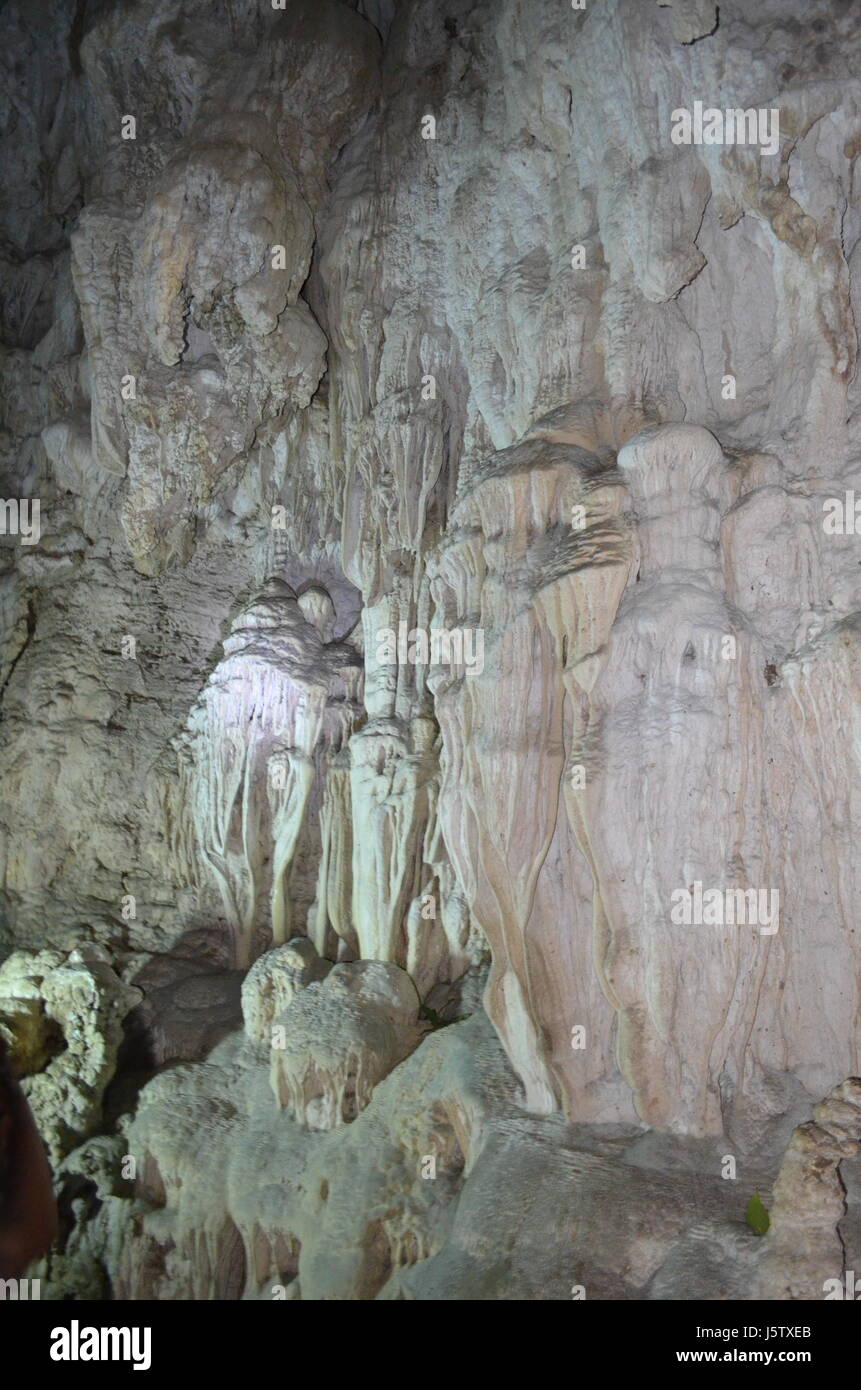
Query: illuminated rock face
443, 631
247, 760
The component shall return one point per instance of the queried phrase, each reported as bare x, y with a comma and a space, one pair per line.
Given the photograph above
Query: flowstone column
543, 589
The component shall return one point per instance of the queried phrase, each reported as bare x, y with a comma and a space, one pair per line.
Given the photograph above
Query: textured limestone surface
429, 687
61, 1018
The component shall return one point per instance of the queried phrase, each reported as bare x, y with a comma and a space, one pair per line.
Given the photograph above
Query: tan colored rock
544, 593
804, 1254
338, 1039
273, 982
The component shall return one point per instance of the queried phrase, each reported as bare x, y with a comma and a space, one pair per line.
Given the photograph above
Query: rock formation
430, 674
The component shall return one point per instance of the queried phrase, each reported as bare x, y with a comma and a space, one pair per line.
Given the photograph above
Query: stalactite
246, 758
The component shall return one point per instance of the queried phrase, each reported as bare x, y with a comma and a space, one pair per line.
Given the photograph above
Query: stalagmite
273, 982
339, 1038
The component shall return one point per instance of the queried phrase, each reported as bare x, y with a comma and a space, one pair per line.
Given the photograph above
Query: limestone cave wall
431, 766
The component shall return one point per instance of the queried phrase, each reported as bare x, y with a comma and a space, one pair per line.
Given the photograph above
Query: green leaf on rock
756, 1215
